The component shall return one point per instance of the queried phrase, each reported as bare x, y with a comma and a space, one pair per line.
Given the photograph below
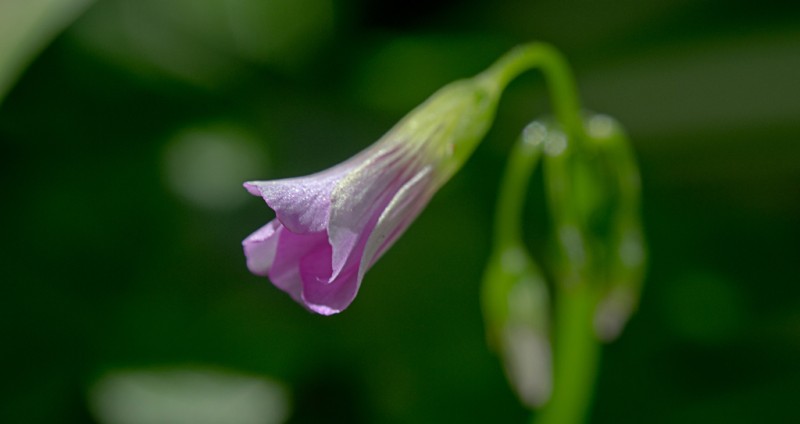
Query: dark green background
106, 267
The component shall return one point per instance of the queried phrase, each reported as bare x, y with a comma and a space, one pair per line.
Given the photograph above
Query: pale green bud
516, 308
594, 192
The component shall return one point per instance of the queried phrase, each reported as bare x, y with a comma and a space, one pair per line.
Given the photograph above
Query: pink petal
259, 248
300, 204
326, 293
276, 252
397, 216
320, 295
292, 248
333, 225
358, 201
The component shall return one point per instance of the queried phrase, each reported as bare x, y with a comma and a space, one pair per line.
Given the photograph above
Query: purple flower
332, 226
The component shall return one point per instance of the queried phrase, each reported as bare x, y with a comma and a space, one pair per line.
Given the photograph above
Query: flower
332, 226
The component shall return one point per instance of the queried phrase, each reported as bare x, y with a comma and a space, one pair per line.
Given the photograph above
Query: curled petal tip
260, 248
252, 188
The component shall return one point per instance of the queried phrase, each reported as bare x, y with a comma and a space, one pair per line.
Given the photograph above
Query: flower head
332, 226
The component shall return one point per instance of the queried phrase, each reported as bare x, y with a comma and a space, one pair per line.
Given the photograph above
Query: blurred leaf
26, 27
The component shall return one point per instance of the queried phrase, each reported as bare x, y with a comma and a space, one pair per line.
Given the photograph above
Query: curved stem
559, 78
576, 349
575, 346
511, 200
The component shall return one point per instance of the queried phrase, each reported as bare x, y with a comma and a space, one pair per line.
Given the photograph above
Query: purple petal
358, 201
397, 216
276, 252
301, 204
323, 296
332, 226
292, 248
259, 248
328, 296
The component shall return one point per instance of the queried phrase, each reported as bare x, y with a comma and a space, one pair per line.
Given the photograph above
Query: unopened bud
516, 309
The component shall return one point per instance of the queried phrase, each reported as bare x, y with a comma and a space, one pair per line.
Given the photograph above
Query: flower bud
516, 310
593, 187
332, 226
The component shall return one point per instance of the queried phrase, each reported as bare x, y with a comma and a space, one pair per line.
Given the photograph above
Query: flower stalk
592, 188
558, 78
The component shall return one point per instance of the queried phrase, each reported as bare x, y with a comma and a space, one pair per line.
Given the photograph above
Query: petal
301, 204
291, 249
359, 199
276, 252
320, 295
259, 248
397, 216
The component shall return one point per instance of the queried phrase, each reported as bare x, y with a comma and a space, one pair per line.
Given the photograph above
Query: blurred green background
127, 127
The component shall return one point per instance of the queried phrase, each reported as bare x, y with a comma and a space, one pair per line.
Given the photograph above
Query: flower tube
332, 226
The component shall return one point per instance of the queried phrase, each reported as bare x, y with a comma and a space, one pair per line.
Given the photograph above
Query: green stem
576, 349
577, 352
511, 200
558, 77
